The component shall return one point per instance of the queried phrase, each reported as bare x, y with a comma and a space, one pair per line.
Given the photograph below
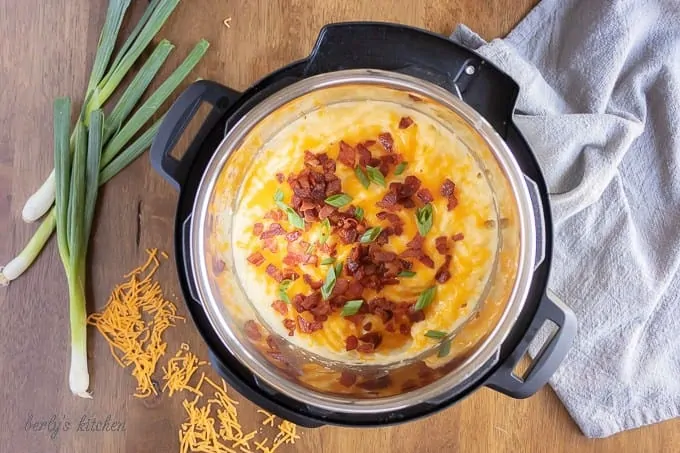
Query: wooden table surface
46, 50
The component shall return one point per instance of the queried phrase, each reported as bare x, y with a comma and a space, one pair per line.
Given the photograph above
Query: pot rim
484, 353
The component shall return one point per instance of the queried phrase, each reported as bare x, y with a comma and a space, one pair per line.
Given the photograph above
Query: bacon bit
442, 245
280, 306
447, 187
443, 274
255, 258
405, 329
290, 325
386, 141
425, 195
293, 259
279, 177
389, 201
308, 327
379, 256
274, 272
252, 330
351, 343
369, 143
426, 260
348, 236
410, 186
415, 98
258, 228
311, 259
394, 220
365, 156
405, 122
368, 326
374, 338
289, 274
376, 384
274, 214
416, 242
273, 345
293, 236
458, 237
333, 186
326, 211
389, 327
275, 229
452, 203
218, 266
271, 244
416, 316
347, 154
365, 347
314, 284
354, 290
347, 379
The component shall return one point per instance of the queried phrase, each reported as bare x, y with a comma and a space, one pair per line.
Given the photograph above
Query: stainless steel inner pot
226, 304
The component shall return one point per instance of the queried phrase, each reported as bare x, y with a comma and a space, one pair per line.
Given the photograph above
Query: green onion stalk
102, 84
116, 155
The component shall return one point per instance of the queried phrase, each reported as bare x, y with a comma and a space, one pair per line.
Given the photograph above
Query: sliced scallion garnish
400, 168
424, 219
406, 274
375, 176
338, 200
425, 298
283, 290
352, 307
435, 334
362, 177
370, 235
329, 283
359, 213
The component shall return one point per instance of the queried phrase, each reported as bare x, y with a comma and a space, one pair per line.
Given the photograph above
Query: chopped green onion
338, 268
329, 283
327, 261
293, 217
444, 349
425, 298
326, 230
352, 307
370, 235
361, 176
359, 213
338, 200
435, 334
278, 195
283, 290
407, 274
400, 168
311, 248
375, 176
424, 219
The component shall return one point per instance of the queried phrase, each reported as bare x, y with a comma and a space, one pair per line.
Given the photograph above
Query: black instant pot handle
176, 121
393, 47
547, 360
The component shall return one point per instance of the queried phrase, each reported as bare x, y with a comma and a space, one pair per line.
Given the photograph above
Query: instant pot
420, 71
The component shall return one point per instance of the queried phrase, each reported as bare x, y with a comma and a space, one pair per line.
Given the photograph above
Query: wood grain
46, 50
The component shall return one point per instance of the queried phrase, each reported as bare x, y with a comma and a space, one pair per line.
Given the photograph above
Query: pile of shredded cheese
133, 322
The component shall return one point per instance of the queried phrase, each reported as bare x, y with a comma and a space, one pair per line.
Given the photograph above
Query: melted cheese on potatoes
433, 153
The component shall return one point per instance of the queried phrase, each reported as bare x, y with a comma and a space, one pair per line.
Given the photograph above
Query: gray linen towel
600, 105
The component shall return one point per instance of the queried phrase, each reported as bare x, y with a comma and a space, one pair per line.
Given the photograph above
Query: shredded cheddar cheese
133, 322
180, 370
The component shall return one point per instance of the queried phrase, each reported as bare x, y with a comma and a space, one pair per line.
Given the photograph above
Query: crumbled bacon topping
258, 228
293, 236
351, 343
414, 249
425, 195
275, 229
447, 190
274, 272
386, 141
405, 122
400, 194
290, 326
271, 245
279, 177
347, 154
458, 237
443, 274
280, 306
442, 245
307, 326
255, 258
252, 330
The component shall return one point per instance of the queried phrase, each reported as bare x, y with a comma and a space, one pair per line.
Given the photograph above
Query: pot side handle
176, 121
547, 360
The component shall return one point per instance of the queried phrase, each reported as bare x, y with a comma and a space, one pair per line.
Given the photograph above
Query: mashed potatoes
432, 154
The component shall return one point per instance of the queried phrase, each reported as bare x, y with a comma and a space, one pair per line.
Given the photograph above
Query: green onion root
18, 265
